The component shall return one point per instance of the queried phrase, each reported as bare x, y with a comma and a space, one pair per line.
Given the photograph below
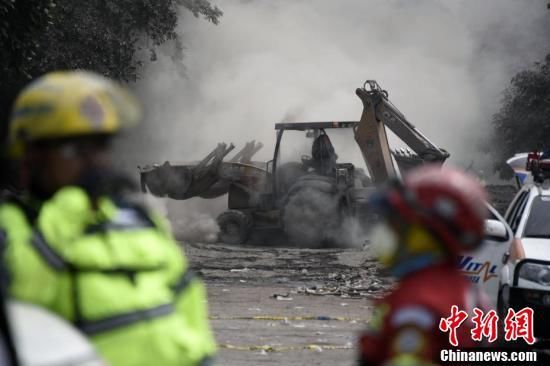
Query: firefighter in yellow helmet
79, 247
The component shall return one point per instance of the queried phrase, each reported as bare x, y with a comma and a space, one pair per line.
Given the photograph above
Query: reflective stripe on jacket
115, 273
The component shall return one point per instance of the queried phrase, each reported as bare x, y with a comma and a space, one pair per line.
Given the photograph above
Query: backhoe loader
315, 200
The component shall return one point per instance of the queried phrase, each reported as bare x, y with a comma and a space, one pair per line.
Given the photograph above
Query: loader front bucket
181, 182
167, 180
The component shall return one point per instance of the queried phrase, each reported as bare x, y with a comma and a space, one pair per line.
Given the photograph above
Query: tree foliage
111, 37
523, 121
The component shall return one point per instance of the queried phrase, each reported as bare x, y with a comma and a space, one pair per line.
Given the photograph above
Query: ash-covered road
290, 306
287, 306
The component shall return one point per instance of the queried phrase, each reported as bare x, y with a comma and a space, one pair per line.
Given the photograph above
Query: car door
482, 267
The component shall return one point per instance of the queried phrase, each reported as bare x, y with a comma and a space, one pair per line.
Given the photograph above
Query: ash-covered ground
291, 306
287, 306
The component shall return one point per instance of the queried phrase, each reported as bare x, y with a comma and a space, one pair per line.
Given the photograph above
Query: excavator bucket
406, 159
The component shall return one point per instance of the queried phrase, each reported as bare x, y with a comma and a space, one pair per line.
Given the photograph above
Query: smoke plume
444, 64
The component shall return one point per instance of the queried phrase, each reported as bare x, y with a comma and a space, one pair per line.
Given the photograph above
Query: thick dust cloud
444, 64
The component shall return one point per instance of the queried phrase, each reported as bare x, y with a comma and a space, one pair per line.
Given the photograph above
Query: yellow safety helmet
69, 104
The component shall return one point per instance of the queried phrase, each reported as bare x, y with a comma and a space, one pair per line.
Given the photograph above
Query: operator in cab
323, 155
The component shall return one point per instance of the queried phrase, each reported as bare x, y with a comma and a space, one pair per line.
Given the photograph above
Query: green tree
111, 37
523, 121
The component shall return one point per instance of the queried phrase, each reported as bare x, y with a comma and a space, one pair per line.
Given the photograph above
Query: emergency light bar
538, 166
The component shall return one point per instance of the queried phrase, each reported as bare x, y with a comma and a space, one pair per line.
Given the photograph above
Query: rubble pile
360, 285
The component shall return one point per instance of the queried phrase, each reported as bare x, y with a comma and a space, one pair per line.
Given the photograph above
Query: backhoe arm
371, 136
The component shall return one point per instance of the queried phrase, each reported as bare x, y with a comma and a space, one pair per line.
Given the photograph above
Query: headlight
539, 273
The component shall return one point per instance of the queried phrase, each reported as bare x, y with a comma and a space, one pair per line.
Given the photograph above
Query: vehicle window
515, 206
519, 213
515, 215
538, 223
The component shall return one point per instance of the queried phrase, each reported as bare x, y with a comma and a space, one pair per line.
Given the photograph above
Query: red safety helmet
447, 201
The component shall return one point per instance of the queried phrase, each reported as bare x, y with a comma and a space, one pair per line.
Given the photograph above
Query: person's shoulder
15, 212
11, 201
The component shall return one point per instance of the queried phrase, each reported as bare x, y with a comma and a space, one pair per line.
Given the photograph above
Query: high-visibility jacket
115, 272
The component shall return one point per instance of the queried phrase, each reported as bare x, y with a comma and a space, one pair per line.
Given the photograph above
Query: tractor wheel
234, 227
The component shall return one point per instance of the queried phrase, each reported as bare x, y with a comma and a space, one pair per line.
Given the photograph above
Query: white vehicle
525, 276
483, 265
42, 338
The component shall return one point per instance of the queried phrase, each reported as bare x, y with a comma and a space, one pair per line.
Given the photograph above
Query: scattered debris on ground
347, 273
